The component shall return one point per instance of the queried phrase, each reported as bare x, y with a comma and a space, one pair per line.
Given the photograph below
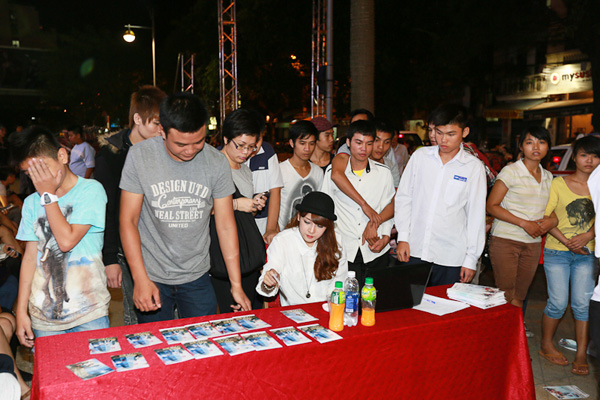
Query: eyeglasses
244, 148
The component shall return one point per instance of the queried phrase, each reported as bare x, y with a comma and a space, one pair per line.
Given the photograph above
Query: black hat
318, 203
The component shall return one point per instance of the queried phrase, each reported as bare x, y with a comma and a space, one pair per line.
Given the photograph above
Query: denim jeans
129, 311
193, 299
561, 268
100, 323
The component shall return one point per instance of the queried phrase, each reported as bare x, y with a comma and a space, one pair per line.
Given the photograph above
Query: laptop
400, 285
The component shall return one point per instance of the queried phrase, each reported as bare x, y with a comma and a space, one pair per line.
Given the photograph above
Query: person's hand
370, 234
245, 204
466, 275
269, 235
260, 200
240, 298
403, 251
581, 252
146, 296
271, 279
371, 214
42, 177
545, 224
380, 244
4, 211
114, 276
11, 251
578, 241
532, 228
24, 331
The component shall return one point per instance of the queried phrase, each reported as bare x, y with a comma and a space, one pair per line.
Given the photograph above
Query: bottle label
368, 293
351, 302
338, 297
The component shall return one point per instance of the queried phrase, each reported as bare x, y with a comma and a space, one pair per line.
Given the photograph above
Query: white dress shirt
594, 186
294, 261
440, 208
377, 188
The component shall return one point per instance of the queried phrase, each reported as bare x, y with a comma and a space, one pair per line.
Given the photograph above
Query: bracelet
267, 288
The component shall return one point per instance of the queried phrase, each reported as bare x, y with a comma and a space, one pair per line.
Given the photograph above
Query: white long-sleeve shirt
377, 188
294, 261
594, 186
440, 208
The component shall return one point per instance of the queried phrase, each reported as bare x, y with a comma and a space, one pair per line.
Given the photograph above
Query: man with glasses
300, 175
169, 186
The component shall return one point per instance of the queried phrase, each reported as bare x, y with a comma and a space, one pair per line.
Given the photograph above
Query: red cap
322, 124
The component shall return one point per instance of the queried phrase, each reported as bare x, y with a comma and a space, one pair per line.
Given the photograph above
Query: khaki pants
514, 265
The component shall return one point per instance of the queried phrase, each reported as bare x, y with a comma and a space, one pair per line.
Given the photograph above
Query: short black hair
183, 111
5, 172
35, 141
302, 130
537, 132
384, 126
449, 114
240, 122
589, 144
360, 111
362, 127
76, 129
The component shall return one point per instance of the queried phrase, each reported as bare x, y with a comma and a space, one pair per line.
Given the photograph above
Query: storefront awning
512, 110
562, 108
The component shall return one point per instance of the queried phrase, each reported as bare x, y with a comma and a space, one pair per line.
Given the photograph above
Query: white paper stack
477, 295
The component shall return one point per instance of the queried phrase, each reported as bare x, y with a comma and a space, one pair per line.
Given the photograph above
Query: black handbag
252, 246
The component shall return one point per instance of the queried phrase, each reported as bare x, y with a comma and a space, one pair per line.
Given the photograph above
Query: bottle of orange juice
336, 308
368, 297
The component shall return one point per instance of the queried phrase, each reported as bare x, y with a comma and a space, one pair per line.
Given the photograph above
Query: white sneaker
528, 333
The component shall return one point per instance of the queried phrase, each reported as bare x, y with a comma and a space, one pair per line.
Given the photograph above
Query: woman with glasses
240, 134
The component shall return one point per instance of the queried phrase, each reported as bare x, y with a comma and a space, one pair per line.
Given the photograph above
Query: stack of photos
234, 344
251, 322
104, 345
143, 339
127, 362
299, 316
203, 330
203, 349
176, 335
566, 392
89, 369
173, 355
225, 326
319, 333
261, 340
290, 336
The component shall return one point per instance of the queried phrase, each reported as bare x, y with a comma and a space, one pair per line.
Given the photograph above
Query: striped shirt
526, 199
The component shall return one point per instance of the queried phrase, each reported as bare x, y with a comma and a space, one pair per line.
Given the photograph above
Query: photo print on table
203, 330
261, 341
203, 349
104, 345
290, 336
127, 362
251, 322
234, 344
319, 333
89, 369
173, 355
298, 315
142, 339
176, 335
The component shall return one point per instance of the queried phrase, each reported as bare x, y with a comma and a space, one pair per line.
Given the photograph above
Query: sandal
557, 359
26, 395
580, 369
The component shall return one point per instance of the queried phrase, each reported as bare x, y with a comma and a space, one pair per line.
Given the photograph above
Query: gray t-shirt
175, 216
242, 178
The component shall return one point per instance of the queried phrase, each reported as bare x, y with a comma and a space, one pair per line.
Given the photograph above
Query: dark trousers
440, 275
362, 268
223, 291
594, 319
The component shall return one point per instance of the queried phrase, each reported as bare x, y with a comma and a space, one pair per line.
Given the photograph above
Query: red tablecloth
470, 354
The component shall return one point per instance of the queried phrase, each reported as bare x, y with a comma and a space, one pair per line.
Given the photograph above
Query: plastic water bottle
368, 297
336, 308
352, 294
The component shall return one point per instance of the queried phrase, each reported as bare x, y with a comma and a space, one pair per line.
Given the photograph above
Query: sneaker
528, 333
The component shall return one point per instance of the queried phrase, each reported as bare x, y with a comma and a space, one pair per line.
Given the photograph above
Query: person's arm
494, 208
272, 215
110, 181
403, 209
89, 158
228, 240
24, 330
67, 236
338, 176
88, 173
145, 293
268, 283
577, 242
387, 214
475, 213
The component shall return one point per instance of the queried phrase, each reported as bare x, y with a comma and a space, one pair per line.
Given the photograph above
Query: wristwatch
48, 198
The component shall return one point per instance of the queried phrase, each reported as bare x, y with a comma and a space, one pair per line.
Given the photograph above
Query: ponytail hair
328, 251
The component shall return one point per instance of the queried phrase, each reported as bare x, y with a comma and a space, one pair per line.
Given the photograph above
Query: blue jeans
561, 268
100, 323
193, 299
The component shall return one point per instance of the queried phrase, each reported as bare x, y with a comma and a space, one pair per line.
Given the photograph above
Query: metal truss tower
227, 57
322, 61
185, 71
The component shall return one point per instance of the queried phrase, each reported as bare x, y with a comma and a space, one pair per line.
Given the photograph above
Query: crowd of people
187, 229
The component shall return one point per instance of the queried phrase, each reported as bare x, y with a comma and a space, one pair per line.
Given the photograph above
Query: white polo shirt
377, 189
440, 208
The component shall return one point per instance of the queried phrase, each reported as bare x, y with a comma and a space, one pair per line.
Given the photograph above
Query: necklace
305, 280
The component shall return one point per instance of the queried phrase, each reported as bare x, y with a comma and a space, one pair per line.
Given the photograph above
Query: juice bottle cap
351, 274
339, 285
368, 281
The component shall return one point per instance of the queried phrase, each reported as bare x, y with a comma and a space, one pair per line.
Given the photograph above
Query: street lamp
129, 36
